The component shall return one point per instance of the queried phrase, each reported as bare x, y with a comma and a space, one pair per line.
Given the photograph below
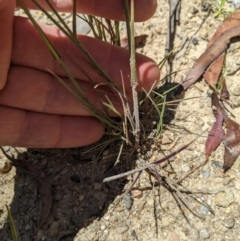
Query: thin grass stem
134, 78
74, 18
14, 231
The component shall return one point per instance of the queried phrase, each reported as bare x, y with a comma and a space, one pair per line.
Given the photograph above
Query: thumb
6, 31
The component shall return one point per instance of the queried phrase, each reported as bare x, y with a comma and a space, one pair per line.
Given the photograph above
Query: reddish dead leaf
140, 41
213, 72
232, 143
210, 55
44, 186
216, 133
232, 21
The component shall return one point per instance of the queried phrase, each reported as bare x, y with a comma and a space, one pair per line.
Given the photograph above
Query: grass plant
128, 126
105, 30
220, 9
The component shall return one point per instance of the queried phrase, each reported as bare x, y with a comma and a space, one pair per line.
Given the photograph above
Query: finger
38, 91
29, 129
30, 50
6, 29
113, 9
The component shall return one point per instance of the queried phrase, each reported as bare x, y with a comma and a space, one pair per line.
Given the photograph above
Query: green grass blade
117, 33
69, 34
14, 231
111, 106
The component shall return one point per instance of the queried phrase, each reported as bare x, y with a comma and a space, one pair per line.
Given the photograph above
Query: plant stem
74, 18
134, 78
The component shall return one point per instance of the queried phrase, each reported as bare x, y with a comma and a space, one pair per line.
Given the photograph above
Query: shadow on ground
79, 195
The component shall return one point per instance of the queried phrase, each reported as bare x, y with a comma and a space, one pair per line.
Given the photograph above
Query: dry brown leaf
210, 55
213, 72
232, 143
231, 139
216, 133
232, 21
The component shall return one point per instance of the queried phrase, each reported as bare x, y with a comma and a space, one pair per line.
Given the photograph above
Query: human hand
35, 109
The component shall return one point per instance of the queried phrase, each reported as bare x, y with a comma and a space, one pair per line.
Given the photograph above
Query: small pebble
236, 91
217, 164
153, 159
119, 209
54, 228
235, 3
166, 140
81, 197
237, 184
185, 168
228, 222
106, 152
195, 41
200, 122
92, 235
226, 181
195, 234
235, 210
128, 201
136, 194
58, 196
173, 237
204, 234
106, 217
205, 173
204, 209
224, 198
97, 186
122, 229
203, 33
205, 6
235, 101
27, 227
113, 219
194, 10
103, 227
158, 29
5, 165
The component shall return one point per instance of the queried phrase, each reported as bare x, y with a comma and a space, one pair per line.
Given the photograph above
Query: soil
86, 209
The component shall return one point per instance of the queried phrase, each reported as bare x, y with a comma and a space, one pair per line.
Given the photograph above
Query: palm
36, 110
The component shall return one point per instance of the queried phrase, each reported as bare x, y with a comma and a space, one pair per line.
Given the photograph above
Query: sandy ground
85, 209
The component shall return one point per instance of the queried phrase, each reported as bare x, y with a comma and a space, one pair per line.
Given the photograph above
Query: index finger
6, 26
112, 9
